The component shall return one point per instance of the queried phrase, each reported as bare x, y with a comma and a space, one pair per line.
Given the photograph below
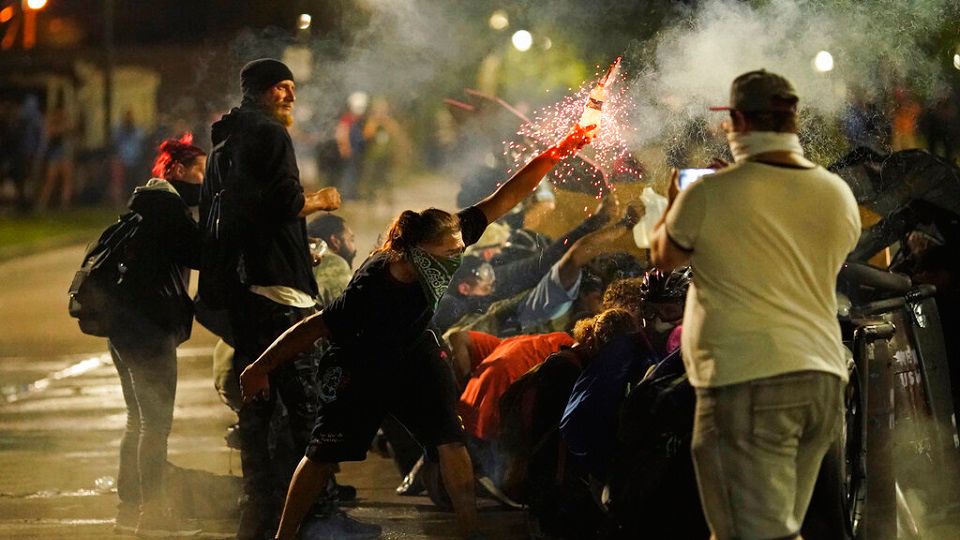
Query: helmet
659, 286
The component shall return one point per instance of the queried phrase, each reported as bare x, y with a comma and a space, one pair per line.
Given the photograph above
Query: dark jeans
148, 378
256, 323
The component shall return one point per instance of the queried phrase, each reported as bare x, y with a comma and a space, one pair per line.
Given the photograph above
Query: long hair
173, 151
414, 228
611, 324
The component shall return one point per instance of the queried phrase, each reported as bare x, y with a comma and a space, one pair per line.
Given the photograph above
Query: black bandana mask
190, 193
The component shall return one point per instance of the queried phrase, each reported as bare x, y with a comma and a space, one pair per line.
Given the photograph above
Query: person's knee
316, 469
451, 449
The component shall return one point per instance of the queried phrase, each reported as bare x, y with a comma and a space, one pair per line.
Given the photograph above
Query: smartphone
689, 176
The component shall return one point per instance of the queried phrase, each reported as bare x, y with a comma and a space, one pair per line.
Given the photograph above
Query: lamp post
108, 75
30, 9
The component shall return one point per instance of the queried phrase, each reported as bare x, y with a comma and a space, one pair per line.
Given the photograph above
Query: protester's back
220, 276
530, 412
769, 242
653, 488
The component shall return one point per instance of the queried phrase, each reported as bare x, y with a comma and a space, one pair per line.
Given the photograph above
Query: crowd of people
686, 394
46, 161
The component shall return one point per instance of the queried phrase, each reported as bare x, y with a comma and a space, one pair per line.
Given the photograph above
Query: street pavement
59, 443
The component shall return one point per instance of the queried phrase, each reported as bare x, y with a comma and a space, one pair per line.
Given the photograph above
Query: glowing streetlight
304, 21
823, 62
956, 60
499, 20
36, 4
522, 40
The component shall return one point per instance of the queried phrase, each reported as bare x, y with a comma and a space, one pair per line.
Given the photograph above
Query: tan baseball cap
761, 91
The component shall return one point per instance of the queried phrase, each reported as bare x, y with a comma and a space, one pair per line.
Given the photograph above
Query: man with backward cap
276, 271
766, 238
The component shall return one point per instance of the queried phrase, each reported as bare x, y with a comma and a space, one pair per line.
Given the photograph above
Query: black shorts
357, 391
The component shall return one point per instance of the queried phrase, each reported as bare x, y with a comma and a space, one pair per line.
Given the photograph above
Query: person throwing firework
377, 329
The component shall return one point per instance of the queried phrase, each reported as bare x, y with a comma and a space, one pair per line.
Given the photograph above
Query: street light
499, 20
956, 60
823, 62
304, 21
522, 40
36, 4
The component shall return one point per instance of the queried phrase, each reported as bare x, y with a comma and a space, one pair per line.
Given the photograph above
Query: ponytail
173, 151
411, 228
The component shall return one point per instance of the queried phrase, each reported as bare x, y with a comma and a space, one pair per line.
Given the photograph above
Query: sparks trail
603, 102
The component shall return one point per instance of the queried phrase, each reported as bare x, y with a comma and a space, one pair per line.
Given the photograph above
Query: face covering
190, 193
746, 145
434, 273
661, 327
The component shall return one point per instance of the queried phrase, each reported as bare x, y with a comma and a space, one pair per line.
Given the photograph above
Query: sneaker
162, 525
339, 526
494, 491
126, 521
412, 484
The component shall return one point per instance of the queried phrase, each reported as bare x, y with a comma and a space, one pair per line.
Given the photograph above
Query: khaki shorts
757, 448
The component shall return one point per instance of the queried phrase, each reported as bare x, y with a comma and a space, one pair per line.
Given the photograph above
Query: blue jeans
147, 366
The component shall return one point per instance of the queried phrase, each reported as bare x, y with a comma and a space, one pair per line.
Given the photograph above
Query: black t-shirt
376, 312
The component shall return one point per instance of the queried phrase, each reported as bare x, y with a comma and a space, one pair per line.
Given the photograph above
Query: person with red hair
156, 316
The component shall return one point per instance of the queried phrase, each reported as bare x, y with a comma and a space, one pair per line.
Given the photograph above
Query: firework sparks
607, 155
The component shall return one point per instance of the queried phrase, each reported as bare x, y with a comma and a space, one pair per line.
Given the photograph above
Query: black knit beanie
259, 75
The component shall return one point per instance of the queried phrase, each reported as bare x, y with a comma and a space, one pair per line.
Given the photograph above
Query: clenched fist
326, 199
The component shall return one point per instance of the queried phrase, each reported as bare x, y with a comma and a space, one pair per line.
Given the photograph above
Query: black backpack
109, 268
221, 265
530, 412
652, 482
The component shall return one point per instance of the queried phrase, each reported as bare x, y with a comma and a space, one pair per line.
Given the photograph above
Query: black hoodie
264, 170
158, 301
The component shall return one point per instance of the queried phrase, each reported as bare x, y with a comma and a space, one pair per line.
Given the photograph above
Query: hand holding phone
689, 176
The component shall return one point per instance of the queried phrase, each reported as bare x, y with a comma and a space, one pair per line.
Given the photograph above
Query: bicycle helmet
660, 287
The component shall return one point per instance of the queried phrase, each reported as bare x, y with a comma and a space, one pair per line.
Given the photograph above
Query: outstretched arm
585, 249
297, 339
521, 184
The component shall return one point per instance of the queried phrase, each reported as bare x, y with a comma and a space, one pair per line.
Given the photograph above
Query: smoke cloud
875, 45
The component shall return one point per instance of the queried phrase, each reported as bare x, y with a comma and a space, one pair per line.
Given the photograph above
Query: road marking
13, 393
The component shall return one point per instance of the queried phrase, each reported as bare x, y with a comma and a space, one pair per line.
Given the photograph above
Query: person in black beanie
279, 287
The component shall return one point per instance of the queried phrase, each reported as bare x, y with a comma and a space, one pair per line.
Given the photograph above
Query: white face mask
662, 327
746, 145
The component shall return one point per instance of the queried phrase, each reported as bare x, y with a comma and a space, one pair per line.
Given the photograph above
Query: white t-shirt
767, 243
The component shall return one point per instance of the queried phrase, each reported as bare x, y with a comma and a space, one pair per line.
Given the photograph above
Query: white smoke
876, 45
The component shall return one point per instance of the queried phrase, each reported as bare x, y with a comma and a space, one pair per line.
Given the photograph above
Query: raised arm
585, 249
665, 254
526, 179
327, 200
297, 339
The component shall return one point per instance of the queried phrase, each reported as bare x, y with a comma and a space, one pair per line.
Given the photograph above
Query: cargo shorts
757, 448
